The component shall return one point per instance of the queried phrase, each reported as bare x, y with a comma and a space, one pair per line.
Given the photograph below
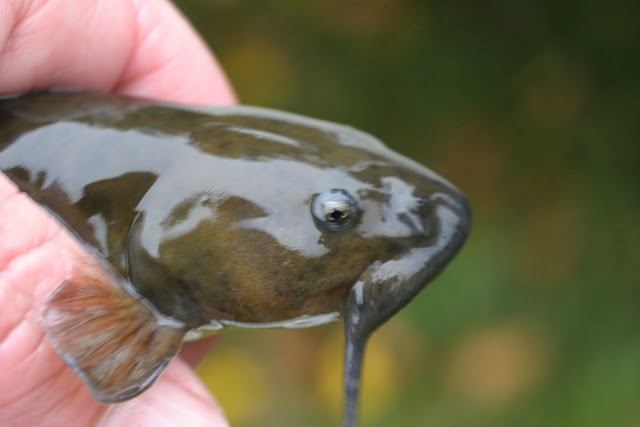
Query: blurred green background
532, 109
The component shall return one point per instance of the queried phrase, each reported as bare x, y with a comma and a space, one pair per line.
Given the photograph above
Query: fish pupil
336, 215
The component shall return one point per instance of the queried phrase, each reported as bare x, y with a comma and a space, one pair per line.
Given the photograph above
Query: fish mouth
386, 287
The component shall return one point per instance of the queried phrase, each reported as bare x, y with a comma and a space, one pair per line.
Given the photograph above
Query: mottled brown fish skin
203, 217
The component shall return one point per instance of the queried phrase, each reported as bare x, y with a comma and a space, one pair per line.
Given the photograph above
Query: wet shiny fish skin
201, 218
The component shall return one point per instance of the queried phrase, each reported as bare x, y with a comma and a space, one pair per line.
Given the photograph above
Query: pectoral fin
115, 342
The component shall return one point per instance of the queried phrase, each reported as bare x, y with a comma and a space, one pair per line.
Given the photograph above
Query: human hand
135, 47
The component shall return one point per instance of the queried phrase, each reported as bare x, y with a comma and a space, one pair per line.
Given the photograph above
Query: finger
140, 48
194, 352
179, 399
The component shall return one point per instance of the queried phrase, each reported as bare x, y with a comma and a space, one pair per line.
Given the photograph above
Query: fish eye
335, 209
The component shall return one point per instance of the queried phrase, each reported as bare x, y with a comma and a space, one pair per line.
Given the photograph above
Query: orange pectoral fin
116, 343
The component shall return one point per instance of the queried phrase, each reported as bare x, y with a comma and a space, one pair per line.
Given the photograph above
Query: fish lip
446, 219
459, 203
393, 283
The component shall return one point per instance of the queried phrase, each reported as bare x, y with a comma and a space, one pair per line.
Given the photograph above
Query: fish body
201, 218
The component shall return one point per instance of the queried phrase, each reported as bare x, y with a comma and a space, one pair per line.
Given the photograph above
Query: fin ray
113, 340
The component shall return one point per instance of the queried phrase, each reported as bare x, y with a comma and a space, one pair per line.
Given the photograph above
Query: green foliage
531, 108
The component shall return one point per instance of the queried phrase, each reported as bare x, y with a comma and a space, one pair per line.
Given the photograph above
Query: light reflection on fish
197, 219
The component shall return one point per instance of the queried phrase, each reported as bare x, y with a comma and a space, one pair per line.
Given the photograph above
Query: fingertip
171, 62
177, 398
139, 48
194, 352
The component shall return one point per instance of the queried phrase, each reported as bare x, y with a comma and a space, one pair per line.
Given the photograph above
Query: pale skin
134, 47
